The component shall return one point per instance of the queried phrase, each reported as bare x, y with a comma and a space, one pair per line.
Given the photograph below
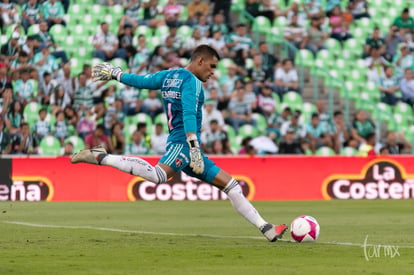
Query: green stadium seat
261, 25
50, 146
325, 151
161, 118
33, 29
185, 31
280, 22
231, 133
333, 45
349, 151
144, 30
275, 36
162, 31
78, 143
304, 57
31, 112
237, 5
293, 100
119, 62
261, 122
307, 110
247, 130
405, 110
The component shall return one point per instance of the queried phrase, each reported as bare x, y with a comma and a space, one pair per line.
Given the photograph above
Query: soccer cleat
273, 232
89, 155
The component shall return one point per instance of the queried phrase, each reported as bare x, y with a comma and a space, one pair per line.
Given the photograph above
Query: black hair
205, 51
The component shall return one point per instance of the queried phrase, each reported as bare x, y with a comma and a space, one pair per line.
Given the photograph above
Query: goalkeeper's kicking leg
164, 170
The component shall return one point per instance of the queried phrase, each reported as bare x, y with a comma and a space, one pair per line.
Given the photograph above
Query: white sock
136, 166
242, 205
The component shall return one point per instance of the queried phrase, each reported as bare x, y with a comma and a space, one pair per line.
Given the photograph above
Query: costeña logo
27, 189
183, 187
379, 179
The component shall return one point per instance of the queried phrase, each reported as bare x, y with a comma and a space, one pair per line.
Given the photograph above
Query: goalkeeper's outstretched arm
105, 71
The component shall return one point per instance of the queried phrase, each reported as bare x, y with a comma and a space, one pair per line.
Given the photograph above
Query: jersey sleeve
191, 90
149, 81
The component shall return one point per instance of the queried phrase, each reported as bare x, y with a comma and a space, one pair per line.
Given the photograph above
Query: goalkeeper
183, 98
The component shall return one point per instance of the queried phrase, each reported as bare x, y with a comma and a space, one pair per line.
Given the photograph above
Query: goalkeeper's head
203, 62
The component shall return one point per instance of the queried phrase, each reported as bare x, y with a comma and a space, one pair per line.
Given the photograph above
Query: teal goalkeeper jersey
183, 98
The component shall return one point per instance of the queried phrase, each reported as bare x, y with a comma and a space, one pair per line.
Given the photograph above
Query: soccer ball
304, 229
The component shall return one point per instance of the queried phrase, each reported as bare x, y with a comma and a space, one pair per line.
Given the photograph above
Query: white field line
176, 234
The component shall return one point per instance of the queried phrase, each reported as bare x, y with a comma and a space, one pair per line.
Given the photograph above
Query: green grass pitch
202, 238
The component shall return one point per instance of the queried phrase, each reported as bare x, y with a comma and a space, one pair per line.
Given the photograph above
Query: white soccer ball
304, 229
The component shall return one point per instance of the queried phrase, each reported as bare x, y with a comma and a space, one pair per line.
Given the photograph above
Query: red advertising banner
261, 178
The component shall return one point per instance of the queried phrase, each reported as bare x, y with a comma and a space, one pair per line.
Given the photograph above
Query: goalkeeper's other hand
105, 71
196, 159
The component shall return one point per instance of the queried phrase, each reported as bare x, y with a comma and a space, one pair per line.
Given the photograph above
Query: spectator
137, 145
4, 78
361, 127
152, 105
296, 35
14, 118
289, 145
159, 140
317, 134
139, 63
45, 38
268, 60
30, 14
266, 105
6, 97
410, 41
317, 36
223, 7
194, 41
172, 13
375, 63
83, 95
5, 140
97, 138
293, 125
175, 41
112, 112
151, 12
218, 24
368, 148
240, 110
125, 37
9, 13
240, 44
324, 117
196, 9
218, 43
71, 118
86, 124
208, 137
26, 88
22, 63
46, 88
388, 86
68, 149
250, 96
66, 80
403, 60
53, 12
294, 9
340, 28
221, 147
210, 113
341, 132
228, 80
118, 139
131, 100
286, 78
142, 128
313, 9
407, 87
375, 41
41, 127
10, 50
106, 44
203, 26
404, 22
45, 62
392, 40
61, 127
24, 142
257, 74
246, 148
275, 122
358, 9
157, 60
131, 16
396, 143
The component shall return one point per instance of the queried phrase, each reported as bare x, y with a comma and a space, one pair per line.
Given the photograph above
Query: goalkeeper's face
206, 67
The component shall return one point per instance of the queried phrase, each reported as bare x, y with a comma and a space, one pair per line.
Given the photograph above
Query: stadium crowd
247, 90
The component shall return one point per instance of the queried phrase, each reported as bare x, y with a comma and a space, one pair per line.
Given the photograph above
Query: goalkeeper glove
196, 159
105, 71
